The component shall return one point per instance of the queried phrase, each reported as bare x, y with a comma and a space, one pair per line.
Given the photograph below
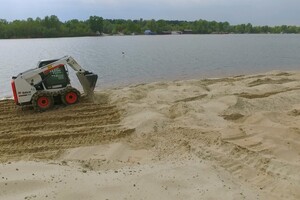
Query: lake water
154, 58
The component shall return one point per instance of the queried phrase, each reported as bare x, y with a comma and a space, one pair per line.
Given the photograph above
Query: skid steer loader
49, 83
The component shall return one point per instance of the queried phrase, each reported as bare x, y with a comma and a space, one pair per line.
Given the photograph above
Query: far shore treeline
51, 26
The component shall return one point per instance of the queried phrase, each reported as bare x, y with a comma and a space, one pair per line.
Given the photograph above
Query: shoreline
152, 35
183, 78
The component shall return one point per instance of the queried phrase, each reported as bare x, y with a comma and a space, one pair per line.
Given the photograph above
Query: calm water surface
154, 58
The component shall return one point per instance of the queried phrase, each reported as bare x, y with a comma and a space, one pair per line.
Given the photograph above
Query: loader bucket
88, 82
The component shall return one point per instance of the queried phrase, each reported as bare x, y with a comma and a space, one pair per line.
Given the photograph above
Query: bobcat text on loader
49, 83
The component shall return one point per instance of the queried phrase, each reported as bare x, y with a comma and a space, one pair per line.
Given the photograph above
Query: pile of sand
229, 138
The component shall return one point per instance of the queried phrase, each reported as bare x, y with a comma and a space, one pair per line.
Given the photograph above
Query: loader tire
70, 96
42, 101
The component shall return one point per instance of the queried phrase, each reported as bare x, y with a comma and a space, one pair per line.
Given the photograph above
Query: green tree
107, 27
151, 25
3, 28
248, 28
51, 26
96, 24
241, 28
162, 26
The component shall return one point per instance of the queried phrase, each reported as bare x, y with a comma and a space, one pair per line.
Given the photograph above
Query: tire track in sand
28, 134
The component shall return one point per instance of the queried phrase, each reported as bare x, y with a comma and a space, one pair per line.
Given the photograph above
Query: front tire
70, 96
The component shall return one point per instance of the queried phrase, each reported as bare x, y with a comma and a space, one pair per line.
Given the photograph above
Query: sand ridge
248, 125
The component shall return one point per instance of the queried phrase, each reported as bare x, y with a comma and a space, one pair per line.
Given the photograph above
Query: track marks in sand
233, 116
27, 134
260, 79
269, 81
195, 98
246, 163
212, 81
264, 95
245, 156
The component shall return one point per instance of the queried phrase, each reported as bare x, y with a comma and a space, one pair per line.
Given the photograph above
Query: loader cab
55, 79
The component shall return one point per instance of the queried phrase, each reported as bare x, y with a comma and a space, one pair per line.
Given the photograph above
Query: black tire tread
66, 91
39, 94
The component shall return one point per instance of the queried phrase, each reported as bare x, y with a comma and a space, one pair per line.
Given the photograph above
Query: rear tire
70, 96
42, 101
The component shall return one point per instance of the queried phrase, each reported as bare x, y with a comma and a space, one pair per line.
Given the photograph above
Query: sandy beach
224, 138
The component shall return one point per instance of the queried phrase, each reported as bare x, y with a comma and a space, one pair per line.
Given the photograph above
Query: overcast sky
257, 12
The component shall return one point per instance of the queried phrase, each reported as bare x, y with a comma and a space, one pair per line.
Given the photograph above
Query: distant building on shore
149, 32
176, 32
166, 32
187, 31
